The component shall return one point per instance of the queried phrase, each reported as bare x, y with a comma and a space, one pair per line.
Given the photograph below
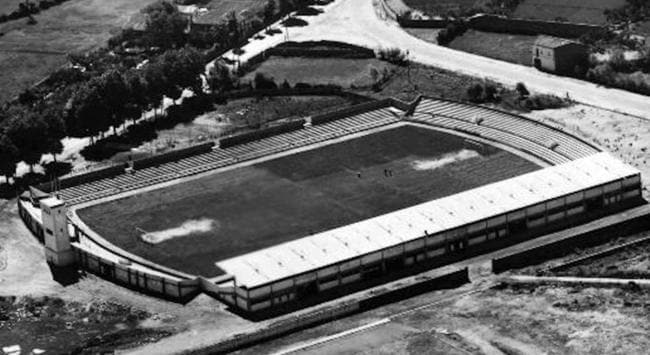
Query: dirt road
359, 22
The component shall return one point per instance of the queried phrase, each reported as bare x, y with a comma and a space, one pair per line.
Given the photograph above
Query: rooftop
553, 42
333, 246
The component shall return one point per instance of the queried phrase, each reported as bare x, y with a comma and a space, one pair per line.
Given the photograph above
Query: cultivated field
28, 53
507, 47
442, 7
583, 11
217, 9
587, 11
9, 6
343, 72
245, 209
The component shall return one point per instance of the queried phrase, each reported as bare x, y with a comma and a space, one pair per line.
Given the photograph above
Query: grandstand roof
333, 246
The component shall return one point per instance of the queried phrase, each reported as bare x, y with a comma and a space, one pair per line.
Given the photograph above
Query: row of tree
103, 90
97, 105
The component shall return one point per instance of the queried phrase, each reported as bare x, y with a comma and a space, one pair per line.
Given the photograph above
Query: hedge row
322, 53
261, 133
321, 49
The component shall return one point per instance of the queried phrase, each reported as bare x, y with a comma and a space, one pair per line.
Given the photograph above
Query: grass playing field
245, 209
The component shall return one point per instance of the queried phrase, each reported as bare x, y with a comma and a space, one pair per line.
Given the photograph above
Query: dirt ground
541, 320
502, 46
633, 263
34, 303
624, 136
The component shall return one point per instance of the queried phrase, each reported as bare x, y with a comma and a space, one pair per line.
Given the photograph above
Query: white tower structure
55, 232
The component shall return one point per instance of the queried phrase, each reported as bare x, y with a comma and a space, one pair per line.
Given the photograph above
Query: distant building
558, 55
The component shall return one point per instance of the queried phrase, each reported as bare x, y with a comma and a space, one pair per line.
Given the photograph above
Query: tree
234, 29
28, 131
220, 78
182, 69
263, 82
8, 157
165, 25
137, 100
86, 112
115, 95
56, 130
155, 83
522, 90
475, 93
269, 11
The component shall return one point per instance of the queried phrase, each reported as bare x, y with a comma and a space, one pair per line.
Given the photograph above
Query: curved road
358, 22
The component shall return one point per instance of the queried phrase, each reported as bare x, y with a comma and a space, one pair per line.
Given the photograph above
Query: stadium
327, 205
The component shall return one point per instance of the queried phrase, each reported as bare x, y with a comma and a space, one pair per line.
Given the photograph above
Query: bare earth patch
624, 136
433, 164
190, 227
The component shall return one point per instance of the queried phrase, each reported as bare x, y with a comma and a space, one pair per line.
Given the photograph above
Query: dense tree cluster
633, 11
103, 89
98, 104
28, 8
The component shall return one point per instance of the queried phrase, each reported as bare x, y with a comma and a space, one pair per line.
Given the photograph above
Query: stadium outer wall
124, 268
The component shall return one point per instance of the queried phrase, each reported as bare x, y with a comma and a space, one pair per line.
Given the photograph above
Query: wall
493, 23
350, 111
407, 23
261, 133
83, 178
172, 155
452, 279
173, 289
32, 224
238, 94
368, 301
594, 233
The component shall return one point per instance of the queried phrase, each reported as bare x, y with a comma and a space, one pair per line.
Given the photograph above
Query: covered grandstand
532, 203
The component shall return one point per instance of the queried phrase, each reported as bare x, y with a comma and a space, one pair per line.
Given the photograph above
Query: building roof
553, 42
333, 246
52, 202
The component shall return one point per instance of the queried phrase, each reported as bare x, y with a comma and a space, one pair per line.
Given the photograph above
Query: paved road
358, 22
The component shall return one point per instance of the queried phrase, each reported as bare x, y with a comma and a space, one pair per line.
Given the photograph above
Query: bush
483, 92
393, 55
450, 32
294, 22
263, 82
475, 93
309, 11
522, 90
302, 86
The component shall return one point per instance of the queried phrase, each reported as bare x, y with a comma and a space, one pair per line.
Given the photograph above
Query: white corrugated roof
336, 245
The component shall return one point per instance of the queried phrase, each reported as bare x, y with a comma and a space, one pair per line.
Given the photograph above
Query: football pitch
230, 213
